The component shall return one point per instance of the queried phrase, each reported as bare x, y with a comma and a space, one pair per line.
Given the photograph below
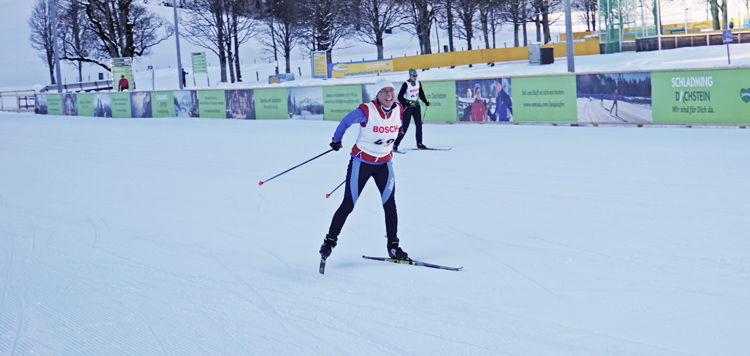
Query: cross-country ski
409, 261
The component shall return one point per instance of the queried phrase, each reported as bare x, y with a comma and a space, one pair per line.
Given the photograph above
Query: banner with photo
719, 96
483, 100
140, 104
711, 96
102, 104
614, 97
340, 100
305, 103
240, 104
40, 104
186, 103
271, 104
70, 104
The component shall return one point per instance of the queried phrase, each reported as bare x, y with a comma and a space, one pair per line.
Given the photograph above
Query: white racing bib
377, 136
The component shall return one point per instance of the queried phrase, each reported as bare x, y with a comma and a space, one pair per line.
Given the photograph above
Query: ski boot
421, 146
328, 244
394, 251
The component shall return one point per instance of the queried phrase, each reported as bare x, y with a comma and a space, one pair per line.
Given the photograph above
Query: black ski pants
357, 175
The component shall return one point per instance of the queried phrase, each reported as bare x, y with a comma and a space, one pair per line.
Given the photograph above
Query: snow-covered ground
152, 237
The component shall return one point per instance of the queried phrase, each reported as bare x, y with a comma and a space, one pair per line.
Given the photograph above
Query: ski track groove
7, 272
19, 325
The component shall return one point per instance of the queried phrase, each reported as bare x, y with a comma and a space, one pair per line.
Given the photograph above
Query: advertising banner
121, 105
340, 100
712, 96
54, 104
162, 104
186, 103
305, 103
86, 104
212, 104
102, 104
271, 104
319, 64
240, 104
442, 104
340, 70
545, 99
140, 104
122, 67
70, 104
614, 97
199, 63
484, 100
40, 104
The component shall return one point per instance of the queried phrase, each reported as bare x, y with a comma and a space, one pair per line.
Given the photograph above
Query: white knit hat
383, 83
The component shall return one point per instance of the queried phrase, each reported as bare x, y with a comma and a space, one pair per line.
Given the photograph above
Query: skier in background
409, 95
614, 104
379, 122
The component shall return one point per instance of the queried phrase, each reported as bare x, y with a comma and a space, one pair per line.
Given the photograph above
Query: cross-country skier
409, 95
614, 104
379, 122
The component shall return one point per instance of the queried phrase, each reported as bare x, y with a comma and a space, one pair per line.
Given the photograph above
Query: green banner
54, 104
86, 105
545, 99
340, 100
121, 105
271, 104
212, 104
442, 101
712, 96
162, 104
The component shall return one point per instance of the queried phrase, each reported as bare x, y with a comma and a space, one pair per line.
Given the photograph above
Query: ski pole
329, 194
308, 161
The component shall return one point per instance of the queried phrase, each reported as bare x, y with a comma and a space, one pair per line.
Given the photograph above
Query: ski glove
427, 103
336, 145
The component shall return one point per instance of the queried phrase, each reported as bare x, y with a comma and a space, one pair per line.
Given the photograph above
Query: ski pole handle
334, 189
308, 161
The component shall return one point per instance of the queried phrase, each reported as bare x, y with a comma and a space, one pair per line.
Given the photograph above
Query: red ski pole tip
260, 183
327, 195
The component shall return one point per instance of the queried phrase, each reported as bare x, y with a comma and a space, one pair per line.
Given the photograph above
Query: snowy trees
41, 37
587, 9
78, 40
93, 31
716, 8
418, 17
123, 28
220, 26
326, 22
375, 19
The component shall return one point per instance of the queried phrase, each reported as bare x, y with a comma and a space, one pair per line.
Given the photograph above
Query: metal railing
17, 100
96, 85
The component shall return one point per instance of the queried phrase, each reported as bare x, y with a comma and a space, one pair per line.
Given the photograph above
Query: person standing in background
409, 95
123, 84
